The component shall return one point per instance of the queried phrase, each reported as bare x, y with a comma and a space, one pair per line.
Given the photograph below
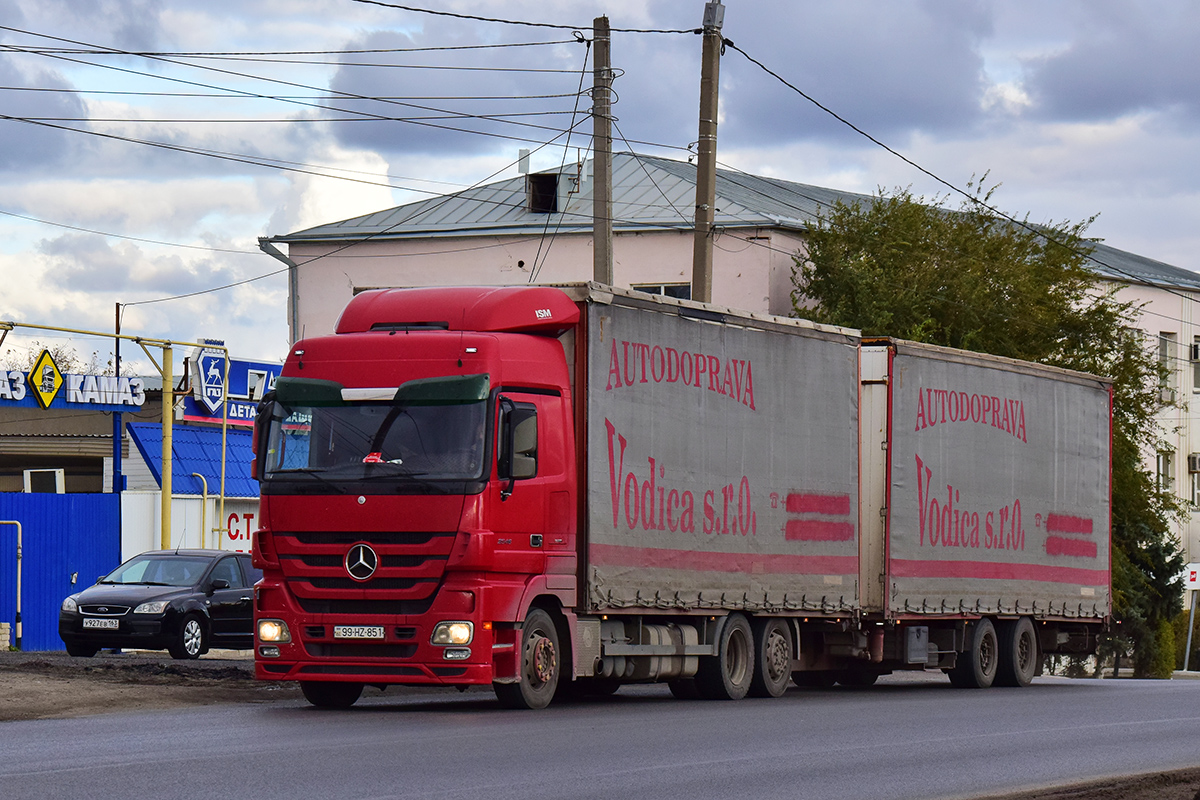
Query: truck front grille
320, 605
359, 650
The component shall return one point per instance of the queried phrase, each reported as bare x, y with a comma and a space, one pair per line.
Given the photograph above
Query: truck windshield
365, 440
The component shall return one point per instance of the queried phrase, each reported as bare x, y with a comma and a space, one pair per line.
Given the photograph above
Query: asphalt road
906, 738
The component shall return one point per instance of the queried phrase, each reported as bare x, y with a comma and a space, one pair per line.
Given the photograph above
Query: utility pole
706, 158
168, 418
602, 78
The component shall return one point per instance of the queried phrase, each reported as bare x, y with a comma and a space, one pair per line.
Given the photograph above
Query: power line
513, 21
361, 51
233, 95
344, 95
129, 238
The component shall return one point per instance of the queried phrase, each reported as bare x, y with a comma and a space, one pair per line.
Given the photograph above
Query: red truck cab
417, 475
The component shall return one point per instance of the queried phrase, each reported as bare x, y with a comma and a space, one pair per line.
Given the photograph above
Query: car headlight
69, 604
452, 633
153, 607
273, 630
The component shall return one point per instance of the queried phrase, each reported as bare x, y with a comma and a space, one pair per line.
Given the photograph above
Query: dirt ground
54, 685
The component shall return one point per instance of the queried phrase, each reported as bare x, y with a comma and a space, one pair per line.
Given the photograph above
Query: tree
68, 359
969, 278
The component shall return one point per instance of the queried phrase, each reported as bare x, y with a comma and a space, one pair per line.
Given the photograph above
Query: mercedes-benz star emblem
361, 562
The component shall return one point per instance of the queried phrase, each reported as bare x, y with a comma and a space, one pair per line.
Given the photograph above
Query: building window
680, 291
1168, 352
1195, 359
1195, 476
1165, 471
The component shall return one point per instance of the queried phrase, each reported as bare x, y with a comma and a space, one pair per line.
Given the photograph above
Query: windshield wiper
153, 583
314, 472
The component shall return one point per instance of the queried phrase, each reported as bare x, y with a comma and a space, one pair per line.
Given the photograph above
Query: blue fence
64, 535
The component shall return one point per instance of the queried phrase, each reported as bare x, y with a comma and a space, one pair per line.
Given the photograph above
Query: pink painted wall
751, 268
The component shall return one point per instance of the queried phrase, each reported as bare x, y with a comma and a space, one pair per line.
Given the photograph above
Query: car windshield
356, 441
173, 570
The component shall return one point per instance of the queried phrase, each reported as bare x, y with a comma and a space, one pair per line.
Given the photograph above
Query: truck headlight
154, 607
70, 605
273, 630
452, 633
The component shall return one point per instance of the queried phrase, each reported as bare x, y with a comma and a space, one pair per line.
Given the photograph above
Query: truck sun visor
454, 390
308, 392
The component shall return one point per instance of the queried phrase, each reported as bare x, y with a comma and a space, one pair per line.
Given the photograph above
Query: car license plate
357, 632
110, 624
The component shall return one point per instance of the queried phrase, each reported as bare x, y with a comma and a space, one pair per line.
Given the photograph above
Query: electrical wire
361, 51
129, 238
513, 21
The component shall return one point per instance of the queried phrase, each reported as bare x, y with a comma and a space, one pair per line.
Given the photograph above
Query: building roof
652, 193
196, 449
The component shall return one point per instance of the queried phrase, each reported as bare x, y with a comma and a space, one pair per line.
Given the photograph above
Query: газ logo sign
211, 384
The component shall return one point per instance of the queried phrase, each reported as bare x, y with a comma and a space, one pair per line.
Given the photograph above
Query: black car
184, 601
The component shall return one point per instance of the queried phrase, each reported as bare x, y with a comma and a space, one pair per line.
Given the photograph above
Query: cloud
1125, 59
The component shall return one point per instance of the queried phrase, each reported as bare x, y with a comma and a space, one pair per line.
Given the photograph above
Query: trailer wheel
330, 694
1018, 652
976, 668
540, 665
772, 657
727, 675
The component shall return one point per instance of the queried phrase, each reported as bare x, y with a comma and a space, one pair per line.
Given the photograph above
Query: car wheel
330, 694
81, 650
191, 640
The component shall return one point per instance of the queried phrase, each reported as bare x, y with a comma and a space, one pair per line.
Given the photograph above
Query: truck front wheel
1018, 652
976, 668
541, 665
727, 675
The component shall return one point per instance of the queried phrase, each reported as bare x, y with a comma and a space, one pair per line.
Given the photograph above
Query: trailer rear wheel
330, 694
540, 665
727, 675
1018, 652
772, 657
976, 668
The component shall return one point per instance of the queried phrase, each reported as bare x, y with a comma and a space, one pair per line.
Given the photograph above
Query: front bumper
403, 656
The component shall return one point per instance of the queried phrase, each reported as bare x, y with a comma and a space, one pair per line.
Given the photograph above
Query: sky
145, 145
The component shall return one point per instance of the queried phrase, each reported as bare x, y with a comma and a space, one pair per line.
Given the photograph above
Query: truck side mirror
518, 443
524, 463
258, 439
